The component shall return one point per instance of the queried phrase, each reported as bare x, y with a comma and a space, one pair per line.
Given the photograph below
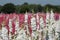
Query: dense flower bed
20, 18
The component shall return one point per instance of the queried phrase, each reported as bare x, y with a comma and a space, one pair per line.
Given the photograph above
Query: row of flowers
29, 26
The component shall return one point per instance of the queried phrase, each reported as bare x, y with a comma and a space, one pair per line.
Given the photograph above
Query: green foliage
48, 7
57, 9
8, 8
0, 8
25, 3
18, 9
36, 8
24, 8
28, 7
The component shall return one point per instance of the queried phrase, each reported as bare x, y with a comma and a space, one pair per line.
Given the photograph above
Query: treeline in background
11, 8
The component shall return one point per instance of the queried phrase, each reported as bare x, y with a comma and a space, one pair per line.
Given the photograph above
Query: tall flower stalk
47, 24
42, 28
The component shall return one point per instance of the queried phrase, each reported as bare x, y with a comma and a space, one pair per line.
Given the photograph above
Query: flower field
29, 26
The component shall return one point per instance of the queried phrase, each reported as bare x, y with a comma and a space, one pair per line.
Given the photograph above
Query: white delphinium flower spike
42, 28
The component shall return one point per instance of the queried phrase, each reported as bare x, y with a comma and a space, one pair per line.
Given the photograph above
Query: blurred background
21, 6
